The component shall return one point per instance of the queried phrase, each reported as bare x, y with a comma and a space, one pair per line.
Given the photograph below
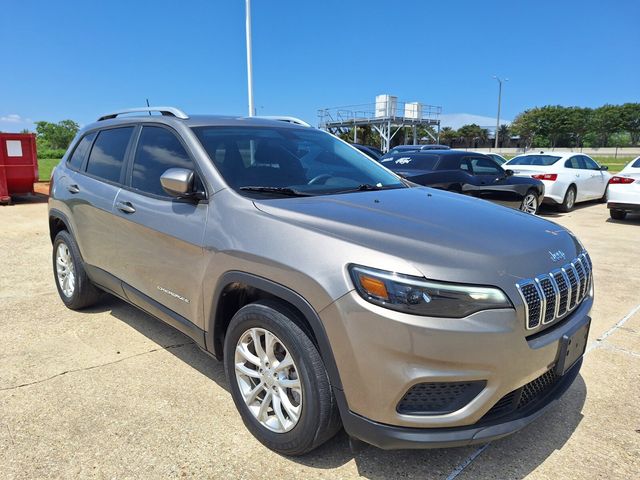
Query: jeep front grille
552, 296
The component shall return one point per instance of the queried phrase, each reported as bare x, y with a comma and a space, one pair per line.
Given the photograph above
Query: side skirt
111, 284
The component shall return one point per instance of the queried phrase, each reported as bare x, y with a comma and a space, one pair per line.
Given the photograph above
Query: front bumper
390, 437
381, 354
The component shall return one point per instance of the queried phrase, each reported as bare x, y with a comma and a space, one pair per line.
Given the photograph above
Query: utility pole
252, 110
499, 101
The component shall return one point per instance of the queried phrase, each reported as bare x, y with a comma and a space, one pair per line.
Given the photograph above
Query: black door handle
73, 189
125, 207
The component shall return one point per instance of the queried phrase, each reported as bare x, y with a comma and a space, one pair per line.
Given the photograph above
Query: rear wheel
530, 202
74, 287
569, 200
617, 214
278, 380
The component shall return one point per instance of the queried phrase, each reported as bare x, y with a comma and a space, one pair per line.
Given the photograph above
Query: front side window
302, 161
540, 160
107, 155
79, 154
485, 166
158, 150
575, 162
590, 163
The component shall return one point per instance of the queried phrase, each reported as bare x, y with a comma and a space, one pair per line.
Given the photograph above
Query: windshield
291, 161
636, 164
411, 162
540, 160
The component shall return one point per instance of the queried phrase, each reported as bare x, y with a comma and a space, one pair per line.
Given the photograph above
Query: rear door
581, 176
160, 238
91, 187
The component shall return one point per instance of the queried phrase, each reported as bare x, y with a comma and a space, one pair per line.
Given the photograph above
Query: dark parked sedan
469, 173
372, 152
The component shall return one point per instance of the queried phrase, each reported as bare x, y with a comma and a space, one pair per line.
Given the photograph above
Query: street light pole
499, 101
252, 111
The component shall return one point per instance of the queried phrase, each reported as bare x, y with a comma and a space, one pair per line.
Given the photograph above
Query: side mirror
178, 182
508, 172
604, 167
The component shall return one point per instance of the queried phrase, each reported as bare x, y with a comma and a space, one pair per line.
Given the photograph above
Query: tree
56, 135
471, 133
578, 124
631, 121
525, 126
448, 135
504, 135
605, 121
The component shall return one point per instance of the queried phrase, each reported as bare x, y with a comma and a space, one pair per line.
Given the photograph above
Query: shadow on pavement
522, 452
29, 198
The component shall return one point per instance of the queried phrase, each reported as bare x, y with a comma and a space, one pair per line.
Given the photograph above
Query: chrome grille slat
552, 296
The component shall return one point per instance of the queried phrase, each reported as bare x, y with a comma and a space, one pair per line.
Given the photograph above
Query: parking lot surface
113, 393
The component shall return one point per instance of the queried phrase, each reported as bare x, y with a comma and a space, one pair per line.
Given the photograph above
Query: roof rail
283, 118
168, 111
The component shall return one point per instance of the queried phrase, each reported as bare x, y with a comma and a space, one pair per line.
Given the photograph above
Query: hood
444, 235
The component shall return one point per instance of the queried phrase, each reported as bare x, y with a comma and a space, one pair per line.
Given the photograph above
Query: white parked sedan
568, 177
623, 195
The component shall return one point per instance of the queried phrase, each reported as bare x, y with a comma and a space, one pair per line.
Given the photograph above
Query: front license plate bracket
572, 346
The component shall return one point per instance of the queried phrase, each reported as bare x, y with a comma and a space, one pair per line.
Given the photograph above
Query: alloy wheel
268, 380
65, 270
571, 198
529, 204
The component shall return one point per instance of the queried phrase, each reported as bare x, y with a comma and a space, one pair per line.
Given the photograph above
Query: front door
159, 238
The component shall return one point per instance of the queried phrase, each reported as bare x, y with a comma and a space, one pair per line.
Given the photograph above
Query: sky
80, 59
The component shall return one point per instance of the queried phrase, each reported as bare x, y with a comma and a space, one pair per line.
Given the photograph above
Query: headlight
419, 296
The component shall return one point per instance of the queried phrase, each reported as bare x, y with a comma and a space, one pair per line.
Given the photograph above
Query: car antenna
148, 105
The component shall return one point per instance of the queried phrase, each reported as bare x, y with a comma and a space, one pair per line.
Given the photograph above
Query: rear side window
107, 154
454, 162
158, 150
81, 150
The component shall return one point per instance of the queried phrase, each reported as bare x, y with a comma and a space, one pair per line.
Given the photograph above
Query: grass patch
45, 166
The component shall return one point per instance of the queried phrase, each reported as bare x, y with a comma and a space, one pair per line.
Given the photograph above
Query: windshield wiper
278, 190
366, 187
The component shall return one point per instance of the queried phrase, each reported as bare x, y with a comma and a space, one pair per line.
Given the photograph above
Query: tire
603, 199
81, 293
530, 202
318, 417
569, 201
617, 214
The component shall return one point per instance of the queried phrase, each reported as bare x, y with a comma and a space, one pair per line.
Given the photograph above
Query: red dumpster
18, 164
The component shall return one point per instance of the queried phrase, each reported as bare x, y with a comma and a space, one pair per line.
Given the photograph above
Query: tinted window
107, 154
485, 166
575, 162
542, 160
636, 164
454, 162
79, 154
411, 162
305, 159
158, 150
590, 163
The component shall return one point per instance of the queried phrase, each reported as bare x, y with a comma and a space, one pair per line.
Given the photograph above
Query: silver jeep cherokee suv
335, 292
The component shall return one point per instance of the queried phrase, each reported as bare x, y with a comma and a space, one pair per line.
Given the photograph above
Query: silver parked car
335, 292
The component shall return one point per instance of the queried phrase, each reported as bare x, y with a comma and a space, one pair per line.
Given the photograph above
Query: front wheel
278, 380
530, 203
